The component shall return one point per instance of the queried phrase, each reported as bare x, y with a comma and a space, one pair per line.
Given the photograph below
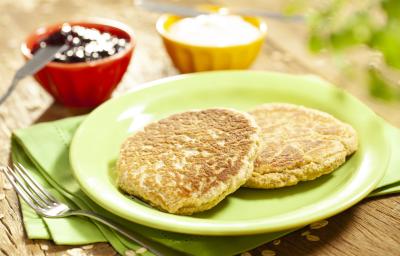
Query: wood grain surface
369, 228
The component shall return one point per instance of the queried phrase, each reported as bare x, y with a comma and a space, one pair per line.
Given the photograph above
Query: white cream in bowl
214, 30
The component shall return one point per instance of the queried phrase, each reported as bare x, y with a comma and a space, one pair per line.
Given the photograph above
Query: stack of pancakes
189, 162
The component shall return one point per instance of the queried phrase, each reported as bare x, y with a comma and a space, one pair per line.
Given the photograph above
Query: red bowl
83, 84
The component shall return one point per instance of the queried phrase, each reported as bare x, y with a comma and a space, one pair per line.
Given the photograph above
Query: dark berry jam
85, 44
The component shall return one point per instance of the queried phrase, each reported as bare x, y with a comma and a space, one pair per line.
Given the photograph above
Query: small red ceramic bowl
83, 84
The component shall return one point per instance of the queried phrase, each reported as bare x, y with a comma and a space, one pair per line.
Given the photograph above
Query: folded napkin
44, 150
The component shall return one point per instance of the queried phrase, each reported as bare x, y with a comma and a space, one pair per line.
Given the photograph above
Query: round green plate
95, 148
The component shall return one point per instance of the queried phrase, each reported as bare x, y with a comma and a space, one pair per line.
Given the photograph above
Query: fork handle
154, 247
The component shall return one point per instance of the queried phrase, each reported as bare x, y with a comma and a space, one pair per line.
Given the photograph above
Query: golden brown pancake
298, 144
190, 161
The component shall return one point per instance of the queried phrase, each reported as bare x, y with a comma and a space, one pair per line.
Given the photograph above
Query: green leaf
379, 88
387, 40
392, 8
316, 43
357, 31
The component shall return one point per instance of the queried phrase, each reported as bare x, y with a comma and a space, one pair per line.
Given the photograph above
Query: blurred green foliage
339, 25
379, 87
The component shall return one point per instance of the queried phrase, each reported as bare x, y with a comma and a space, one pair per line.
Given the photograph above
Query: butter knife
193, 11
38, 61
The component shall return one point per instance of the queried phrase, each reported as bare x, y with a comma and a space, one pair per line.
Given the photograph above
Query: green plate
95, 148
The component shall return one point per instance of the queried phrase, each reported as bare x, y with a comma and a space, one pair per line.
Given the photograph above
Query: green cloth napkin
44, 150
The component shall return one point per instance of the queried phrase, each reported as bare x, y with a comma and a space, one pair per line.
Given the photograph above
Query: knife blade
189, 11
38, 61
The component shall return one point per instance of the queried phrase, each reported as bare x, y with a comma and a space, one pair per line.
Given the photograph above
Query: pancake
298, 144
190, 161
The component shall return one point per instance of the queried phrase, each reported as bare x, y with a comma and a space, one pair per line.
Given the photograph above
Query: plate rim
226, 228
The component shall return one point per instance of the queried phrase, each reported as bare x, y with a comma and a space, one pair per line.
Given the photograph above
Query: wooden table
369, 228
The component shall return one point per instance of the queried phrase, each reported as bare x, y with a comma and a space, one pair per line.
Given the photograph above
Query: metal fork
46, 205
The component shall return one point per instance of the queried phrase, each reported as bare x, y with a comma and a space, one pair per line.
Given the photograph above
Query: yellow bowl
193, 58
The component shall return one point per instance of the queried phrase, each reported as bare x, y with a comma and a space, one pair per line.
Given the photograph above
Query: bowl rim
262, 27
26, 51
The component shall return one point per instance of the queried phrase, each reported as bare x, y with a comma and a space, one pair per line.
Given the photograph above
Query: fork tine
10, 176
40, 190
21, 184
